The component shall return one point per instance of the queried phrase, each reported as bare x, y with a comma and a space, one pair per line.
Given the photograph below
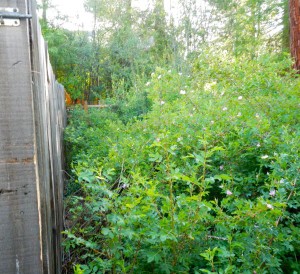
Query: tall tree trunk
294, 11
286, 27
129, 12
95, 21
160, 27
45, 5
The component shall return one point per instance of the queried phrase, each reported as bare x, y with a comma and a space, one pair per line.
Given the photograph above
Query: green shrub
206, 182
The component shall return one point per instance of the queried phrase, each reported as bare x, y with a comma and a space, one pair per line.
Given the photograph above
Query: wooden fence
32, 118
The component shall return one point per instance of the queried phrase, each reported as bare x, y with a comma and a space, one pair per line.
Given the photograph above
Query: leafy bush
206, 182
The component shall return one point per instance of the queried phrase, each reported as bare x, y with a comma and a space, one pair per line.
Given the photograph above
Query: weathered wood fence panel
32, 118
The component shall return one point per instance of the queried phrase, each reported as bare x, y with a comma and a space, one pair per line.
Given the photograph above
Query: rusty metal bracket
11, 17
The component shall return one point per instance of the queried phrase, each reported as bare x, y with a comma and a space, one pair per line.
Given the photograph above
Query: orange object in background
68, 99
78, 102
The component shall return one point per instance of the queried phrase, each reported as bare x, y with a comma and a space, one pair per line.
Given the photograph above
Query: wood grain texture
32, 119
20, 250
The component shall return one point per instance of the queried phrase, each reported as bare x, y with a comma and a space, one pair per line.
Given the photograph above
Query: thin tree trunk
129, 12
294, 11
44, 8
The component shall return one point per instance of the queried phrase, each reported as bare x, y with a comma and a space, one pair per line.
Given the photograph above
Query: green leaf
87, 176
105, 231
153, 256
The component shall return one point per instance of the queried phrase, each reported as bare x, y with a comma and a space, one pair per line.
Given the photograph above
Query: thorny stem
171, 197
289, 197
280, 217
135, 256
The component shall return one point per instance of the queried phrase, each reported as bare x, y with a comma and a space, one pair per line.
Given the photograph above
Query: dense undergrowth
193, 173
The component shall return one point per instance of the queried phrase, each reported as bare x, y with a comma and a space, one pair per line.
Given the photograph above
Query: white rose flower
270, 206
228, 192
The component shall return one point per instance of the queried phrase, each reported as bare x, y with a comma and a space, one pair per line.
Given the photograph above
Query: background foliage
128, 42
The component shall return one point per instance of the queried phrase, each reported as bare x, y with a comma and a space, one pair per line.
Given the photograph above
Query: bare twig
217, 238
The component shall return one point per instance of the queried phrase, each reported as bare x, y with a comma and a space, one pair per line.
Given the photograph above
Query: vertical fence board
32, 118
19, 228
